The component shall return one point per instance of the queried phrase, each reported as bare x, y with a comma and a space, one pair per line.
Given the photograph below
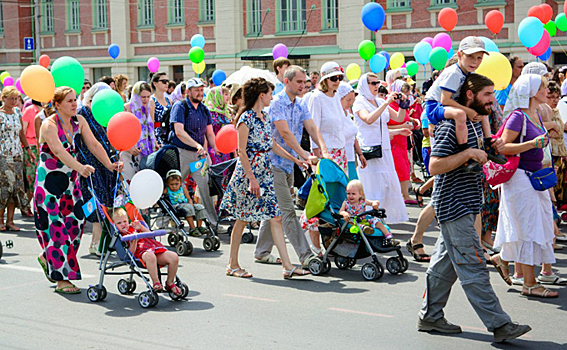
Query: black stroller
162, 161
9, 245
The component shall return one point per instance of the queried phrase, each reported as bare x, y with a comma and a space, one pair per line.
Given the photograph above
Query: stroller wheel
208, 244
184, 248
94, 293
172, 239
185, 289
216, 243
371, 271
351, 263
102, 293
564, 216
316, 266
327, 266
394, 265
247, 237
125, 287
146, 299
405, 264
341, 263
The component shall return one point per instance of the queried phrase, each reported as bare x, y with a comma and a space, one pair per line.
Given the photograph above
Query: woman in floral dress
250, 194
59, 218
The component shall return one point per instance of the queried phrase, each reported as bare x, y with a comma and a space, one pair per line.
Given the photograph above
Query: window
143, 74
330, 14
292, 15
101, 72
100, 20
73, 16
176, 12
443, 2
178, 74
1, 19
397, 4
47, 16
146, 13
207, 10
254, 17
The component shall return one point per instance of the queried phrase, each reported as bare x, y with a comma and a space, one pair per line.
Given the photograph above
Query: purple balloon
387, 55
153, 64
279, 50
8, 81
442, 40
19, 86
428, 40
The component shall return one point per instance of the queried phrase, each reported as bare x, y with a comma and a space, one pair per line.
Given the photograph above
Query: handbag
372, 152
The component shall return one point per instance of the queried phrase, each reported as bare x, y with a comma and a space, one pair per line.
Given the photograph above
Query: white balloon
562, 106
146, 188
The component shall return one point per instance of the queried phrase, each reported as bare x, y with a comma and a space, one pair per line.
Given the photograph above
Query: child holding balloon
441, 99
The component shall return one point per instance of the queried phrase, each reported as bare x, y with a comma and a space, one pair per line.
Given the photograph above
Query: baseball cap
173, 172
194, 82
472, 44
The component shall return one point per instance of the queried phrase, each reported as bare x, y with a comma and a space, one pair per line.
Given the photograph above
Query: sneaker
441, 325
509, 331
367, 230
195, 232
517, 281
551, 279
203, 230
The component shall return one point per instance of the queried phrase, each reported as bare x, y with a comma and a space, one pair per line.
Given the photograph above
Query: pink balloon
8, 81
537, 50
442, 40
19, 86
428, 40
279, 50
153, 64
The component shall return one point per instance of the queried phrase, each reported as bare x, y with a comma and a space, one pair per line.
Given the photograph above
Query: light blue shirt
294, 114
278, 88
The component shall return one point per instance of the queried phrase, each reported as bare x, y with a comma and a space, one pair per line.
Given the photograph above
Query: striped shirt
456, 193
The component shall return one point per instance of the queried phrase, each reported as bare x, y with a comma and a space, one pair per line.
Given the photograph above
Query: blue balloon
373, 16
387, 56
530, 31
489, 45
113, 51
545, 55
219, 76
198, 40
377, 63
451, 53
421, 52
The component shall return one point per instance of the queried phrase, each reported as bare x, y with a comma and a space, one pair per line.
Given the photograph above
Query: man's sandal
239, 272
545, 294
288, 274
412, 250
269, 259
502, 269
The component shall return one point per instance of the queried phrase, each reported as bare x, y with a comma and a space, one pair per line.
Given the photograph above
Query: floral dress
59, 217
361, 207
158, 114
238, 200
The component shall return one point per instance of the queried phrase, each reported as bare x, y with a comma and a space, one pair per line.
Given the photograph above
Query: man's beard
481, 108
195, 100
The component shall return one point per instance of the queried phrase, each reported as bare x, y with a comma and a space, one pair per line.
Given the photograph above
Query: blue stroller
345, 240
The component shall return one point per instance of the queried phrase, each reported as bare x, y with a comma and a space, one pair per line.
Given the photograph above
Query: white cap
330, 69
194, 82
472, 44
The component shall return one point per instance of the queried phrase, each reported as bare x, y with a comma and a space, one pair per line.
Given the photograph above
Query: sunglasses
336, 78
165, 81
374, 83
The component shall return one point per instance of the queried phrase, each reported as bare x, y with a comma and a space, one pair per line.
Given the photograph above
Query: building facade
238, 32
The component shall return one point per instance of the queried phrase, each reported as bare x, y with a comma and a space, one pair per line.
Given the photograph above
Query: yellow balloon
37, 82
3, 76
497, 68
397, 60
353, 71
199, 67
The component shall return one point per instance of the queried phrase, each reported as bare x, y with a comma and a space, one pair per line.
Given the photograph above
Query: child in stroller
150, 251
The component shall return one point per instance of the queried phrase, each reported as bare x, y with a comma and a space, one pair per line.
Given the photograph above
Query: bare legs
166, 258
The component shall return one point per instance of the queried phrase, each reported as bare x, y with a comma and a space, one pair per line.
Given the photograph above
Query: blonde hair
10, 91
118, 79
118, 213
358, 185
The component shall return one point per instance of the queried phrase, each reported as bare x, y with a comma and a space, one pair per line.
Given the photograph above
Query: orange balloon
123, 131
38, 83
44, 61
494, 21
227, 139
547, 12
448, 18
536, 11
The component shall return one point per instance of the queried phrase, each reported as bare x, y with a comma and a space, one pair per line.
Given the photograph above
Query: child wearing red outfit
150, 251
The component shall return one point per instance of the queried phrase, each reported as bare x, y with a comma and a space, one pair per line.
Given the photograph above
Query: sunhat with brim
330, 69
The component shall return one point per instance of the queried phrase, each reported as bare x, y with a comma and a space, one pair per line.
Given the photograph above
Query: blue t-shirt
195, 124
177, 197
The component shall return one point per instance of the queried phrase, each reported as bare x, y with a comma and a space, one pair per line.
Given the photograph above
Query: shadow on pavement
520, 343
310, 285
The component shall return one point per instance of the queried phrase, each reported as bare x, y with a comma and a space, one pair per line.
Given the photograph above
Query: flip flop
65, 290
269, 259
289, 274
240, 273
44, 267
12, 227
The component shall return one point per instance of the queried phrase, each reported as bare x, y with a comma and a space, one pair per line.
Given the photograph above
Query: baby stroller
162, 161
345, 241
119, 244
9, 245
219, 174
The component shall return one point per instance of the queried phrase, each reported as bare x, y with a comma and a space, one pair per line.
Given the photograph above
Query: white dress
379, 178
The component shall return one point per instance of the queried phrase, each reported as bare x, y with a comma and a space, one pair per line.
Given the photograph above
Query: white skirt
381, 183
525, 226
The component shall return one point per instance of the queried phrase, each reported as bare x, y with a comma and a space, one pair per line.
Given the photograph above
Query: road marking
248, 297
34, 269
360, 312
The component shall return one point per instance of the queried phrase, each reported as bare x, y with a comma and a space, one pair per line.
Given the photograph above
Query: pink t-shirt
29, 117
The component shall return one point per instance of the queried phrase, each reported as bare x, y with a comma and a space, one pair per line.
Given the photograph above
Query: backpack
166, 128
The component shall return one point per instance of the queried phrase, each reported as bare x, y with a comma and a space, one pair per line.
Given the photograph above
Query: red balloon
44, 61
494, 21
536, 11
564, 7
547, 12
448, 18
123, 131
542, 46
227, 139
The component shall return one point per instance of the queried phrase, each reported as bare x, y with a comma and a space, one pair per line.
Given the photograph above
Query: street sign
28, 44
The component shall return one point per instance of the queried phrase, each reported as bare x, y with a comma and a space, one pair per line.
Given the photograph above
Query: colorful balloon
442, 40
551, 28
123, 131
497, 68
421, 52
38, 83
227, 139
366, 49
199, 67
353, 71
542, 46
397, 60
113, 51
19, 86
153, 64
196, 54
198, 40
279, 50
377, 63
387, 56
67, 71
561, 22
547, 12
438, 57
3, 76
146, 188
494, 21
412, 68
546, 55
8, 81
428, 40
447, 18
451, 53
530, 31
219, 76
105, 104
537, 12
489, 45
373, 16
44, 61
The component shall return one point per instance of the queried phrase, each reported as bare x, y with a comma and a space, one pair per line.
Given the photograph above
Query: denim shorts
435, 111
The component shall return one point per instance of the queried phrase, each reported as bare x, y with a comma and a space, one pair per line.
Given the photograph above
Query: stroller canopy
329, 189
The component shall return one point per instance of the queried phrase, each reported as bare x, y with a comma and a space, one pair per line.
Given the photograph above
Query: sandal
416, 179
269, 259
289, 274
551, 279
418, 196
239, 272
544, 294
412, 250
44, 267
174, 288
72, 289
11, 227
2, 228
500, 267
157, 287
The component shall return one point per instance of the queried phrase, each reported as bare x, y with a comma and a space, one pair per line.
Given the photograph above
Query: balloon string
560, 46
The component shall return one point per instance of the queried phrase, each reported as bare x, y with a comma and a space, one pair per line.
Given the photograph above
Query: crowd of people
58, 155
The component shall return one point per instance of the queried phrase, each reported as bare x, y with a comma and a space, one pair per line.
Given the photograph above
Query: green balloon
105, 104
196, 55
561, 22
67, 71
366, 49
551, 28
438, 57
412, 67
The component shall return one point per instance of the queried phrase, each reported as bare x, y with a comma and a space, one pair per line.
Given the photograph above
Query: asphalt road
337, 311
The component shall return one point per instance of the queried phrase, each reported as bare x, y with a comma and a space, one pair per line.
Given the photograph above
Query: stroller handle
143, 235
381, 213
